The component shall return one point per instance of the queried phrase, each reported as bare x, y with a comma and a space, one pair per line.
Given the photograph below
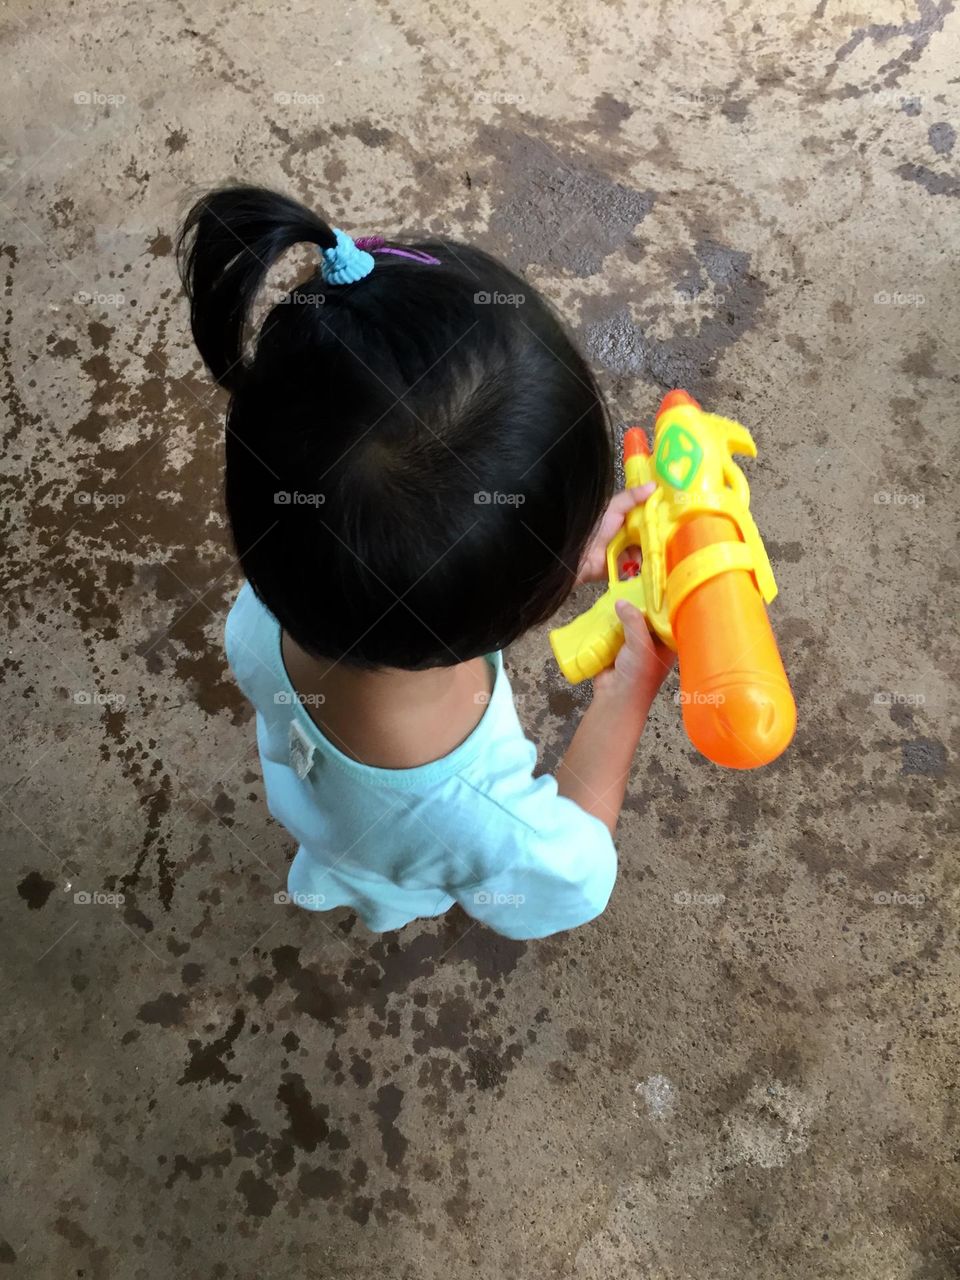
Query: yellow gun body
703, 582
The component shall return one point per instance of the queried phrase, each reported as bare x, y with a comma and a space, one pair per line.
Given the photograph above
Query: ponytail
228, 242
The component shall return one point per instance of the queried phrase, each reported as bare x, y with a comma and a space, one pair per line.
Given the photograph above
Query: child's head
413, 462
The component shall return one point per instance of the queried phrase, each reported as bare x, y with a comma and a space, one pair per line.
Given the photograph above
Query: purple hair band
375, 244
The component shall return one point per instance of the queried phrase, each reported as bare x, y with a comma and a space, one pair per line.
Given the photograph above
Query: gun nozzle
635, 444
674, 398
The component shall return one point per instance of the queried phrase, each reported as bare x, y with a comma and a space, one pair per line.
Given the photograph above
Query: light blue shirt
473, 827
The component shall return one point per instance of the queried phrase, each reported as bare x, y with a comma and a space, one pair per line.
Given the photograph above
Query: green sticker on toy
678, 457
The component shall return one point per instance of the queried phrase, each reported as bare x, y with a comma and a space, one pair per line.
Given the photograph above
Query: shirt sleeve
556, 866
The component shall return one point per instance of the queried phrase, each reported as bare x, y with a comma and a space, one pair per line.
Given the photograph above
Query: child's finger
621, 504
638, 639
593, 563
636, 633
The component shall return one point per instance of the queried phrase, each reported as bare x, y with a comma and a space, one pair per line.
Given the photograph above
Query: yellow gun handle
590, 643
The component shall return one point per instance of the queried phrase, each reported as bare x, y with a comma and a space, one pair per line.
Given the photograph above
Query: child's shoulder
251, 638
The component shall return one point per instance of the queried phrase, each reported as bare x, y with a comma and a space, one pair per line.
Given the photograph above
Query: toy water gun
702, 585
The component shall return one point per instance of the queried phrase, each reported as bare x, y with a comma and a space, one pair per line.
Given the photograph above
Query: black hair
414, 462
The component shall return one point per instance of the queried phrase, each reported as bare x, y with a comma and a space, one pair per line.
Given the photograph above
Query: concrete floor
205, 1084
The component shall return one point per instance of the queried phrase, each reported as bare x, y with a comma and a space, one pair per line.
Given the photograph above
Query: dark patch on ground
207, 1064
925, 756
608, 114
785, 552
938, 184
554, 210
35, 890
622, 345
307, 1124
942, 137
919, 32
328, 1184
259, 1196
387, 1109
166, 1011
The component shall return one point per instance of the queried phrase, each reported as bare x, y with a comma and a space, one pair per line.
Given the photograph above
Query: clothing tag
302, 751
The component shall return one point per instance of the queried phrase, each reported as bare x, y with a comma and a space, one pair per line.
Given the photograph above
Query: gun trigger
616, 544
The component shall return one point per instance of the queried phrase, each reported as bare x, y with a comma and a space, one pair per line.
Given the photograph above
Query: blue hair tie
345, 263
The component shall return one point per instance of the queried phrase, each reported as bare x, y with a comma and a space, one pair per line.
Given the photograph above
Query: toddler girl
418, 470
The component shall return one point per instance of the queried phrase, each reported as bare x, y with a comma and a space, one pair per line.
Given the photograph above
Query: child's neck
390, 719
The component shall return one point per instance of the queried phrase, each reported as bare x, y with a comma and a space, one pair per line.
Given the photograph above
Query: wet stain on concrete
942, 137
937, 184
557, 209
924, 756
686, 360
35, 890
207, 1063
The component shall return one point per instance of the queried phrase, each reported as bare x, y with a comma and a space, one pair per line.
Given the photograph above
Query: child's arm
595, 769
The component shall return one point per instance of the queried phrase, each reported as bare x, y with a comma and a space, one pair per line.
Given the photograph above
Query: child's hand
642, 664
593, 565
